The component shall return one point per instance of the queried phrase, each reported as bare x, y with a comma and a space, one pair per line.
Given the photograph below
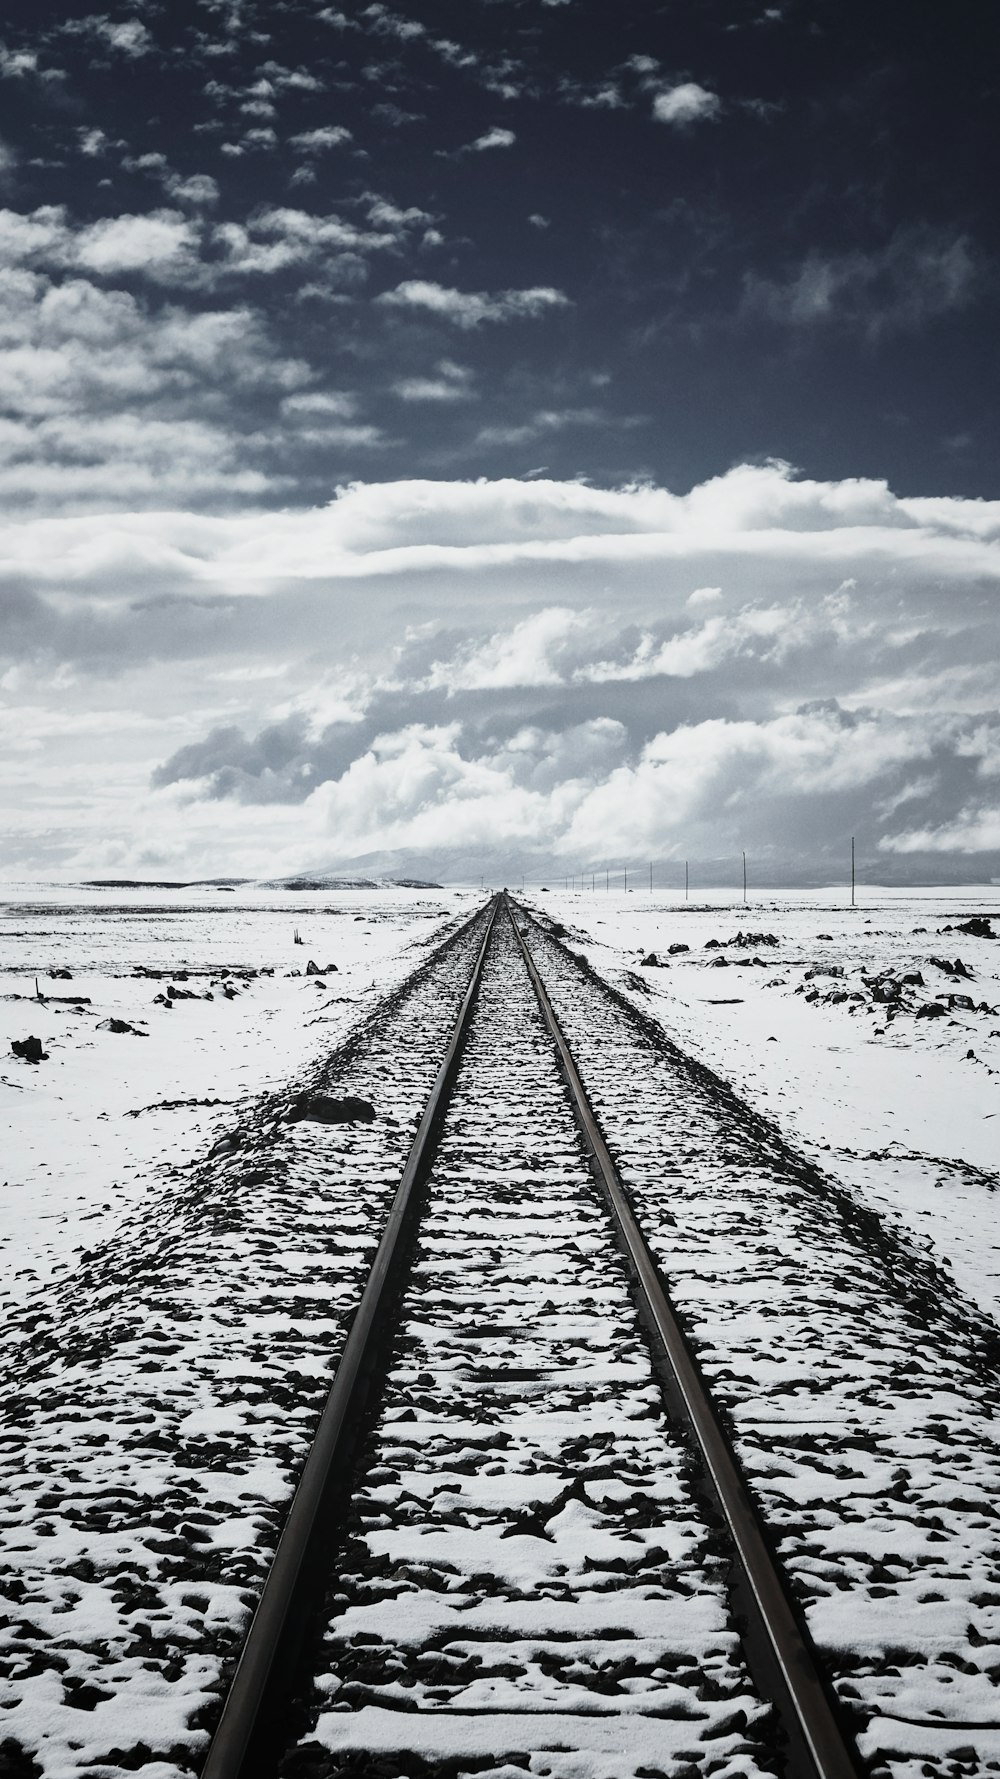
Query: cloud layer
550, 667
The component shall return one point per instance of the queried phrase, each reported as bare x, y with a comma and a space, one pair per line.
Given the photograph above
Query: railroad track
519, 1551
521, 1534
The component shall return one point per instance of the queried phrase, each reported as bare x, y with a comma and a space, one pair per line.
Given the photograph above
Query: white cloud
319, 140
685, 104
494, 138
556, 687
451, 383
127, 37
167, 247
469, 308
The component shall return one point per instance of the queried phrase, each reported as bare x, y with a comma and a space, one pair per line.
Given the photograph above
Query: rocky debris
745, 941
977, 926
122, 1026
823, 970
952, 969
313, 969
29, 1049
824, 935
676, 949
320, 1108
932, 1010
556, 930
652, 962
60, 975
637, 982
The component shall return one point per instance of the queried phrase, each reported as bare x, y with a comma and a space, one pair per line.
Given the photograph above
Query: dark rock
978, 926
121, 1025
320, 1108
29, 1049
676, 949
557, 930
62, 975
313, 969
952, 969
652, 962
932, 1010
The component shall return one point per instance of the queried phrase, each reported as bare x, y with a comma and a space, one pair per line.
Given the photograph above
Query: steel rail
236, 1739
803, 1698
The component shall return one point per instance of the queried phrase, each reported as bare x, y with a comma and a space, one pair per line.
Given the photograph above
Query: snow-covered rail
526, 1569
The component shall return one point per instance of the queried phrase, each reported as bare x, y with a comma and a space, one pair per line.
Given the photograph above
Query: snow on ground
89, 1131
824, 1033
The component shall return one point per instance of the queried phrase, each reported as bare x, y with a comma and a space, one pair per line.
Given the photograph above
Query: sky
518, 435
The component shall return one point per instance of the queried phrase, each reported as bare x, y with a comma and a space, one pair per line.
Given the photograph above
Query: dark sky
555, 425
750, 231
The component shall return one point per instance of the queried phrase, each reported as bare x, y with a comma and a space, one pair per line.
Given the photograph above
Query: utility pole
744, 880
852, 870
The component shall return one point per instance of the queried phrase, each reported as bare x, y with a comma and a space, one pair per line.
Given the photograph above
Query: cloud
452, 383
468, 308
686, 104
169, 247
319, 140
761, 661
917, 276
126, 37
494, 138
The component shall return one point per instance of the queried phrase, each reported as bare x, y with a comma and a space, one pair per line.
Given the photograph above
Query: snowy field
216, 991
827, 1030
870, 1035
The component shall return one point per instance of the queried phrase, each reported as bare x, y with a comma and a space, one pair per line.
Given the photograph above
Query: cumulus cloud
685, 104
168, 247
468, 308
762, 660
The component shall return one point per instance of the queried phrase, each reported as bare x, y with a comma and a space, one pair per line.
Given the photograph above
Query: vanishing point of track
662, 1537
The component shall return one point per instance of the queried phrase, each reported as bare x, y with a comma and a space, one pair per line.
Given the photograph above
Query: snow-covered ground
89, 1132
823, 1031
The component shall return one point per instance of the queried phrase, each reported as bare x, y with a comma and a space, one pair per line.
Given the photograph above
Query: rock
29, 1049
313, 969
62, 975
952, 969
320, 1108
652, 962
676, 949
121, 1025
931, 1010
977, 926
557, 930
